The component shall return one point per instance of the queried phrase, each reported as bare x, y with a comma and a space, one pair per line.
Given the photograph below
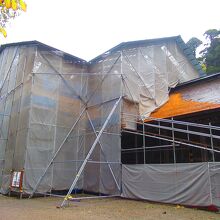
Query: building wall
55, 105
196, 98
16, 65
41, 108
104, 89
53, 92
143, 75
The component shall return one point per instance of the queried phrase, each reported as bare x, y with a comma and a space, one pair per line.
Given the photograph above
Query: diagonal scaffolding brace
85, 107
90, 152
109, 166
56, 153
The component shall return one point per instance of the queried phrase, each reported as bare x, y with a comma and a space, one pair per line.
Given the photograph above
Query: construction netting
38, 113
54, 107
15, 68
38, 108
194, 184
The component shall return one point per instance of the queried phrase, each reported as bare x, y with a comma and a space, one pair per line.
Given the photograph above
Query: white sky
87, 28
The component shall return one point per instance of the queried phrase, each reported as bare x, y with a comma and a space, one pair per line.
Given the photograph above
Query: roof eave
37, 43
197, 80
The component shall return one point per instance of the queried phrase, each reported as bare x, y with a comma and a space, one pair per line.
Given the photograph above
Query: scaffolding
64, 119
186, 154
176, 134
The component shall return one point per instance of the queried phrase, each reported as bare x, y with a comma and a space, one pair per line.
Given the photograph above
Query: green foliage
213, 69
193, 44
211, 34
210, 55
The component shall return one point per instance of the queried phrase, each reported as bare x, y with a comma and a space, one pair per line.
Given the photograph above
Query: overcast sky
87, 28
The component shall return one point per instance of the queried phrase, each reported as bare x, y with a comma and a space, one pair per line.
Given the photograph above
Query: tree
193, 44
212, 34
211, 53
9, 10
210, 56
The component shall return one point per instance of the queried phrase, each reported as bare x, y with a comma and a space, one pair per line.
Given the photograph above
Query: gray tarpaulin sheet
188, 184
42, 93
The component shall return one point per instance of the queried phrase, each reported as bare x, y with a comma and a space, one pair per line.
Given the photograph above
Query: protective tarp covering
189, 184
149, 72
46, 129
39, 105
44, 99
55, 106
16, 66
104, 177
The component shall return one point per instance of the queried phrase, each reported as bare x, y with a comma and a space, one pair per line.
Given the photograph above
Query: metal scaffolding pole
182, 123
166, 139
144, 144
173, 137
177, 122
84, 74
85, 107
179, 130
105, 76
211, 138
187, 127
90, 152
7, 74
210, 183
89, 161
93, 197
145, 148
64, 80
208, 134
109, 166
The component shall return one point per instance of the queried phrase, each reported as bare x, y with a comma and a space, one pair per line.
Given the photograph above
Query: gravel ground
97, 209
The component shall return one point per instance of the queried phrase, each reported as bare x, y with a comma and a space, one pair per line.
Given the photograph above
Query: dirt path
45, 209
